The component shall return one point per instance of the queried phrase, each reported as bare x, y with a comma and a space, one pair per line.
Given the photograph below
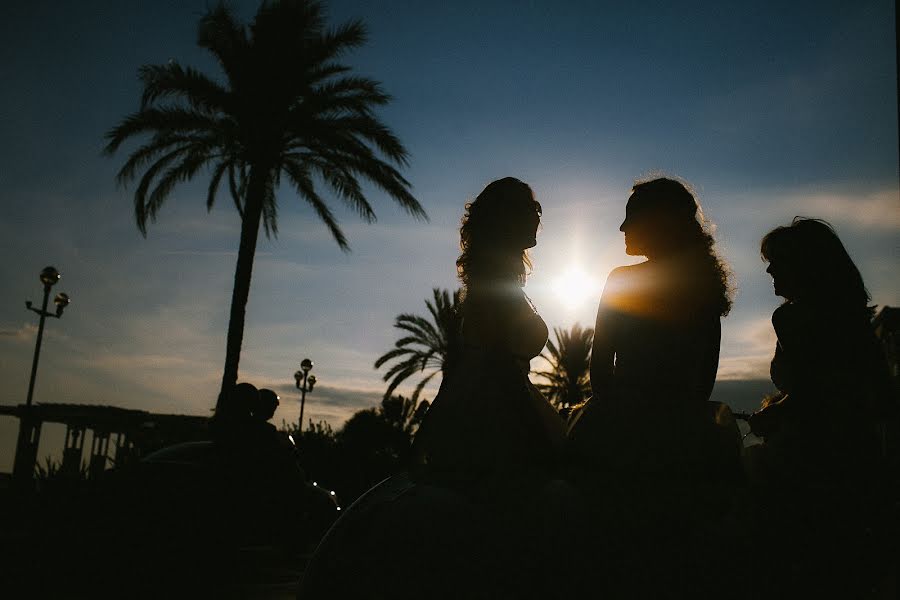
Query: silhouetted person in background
282, 448
824, 494
266, 405
656, 339
828, 363
232, 419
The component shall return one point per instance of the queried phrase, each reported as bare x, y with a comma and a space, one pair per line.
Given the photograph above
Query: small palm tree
403, 413
285, 108
568, 380
429, 345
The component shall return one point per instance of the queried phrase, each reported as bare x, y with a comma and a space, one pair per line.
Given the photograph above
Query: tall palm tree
285, 107
429, 345
568, 381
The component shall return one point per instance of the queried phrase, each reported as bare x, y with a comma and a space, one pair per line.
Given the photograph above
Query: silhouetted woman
656, 338
827, 363
474, 520
488, 420
826, 501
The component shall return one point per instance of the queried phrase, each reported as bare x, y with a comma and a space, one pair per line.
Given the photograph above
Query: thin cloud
333, 404
201, 253
741, 368
21, 334
874, 209
879, 209
749, 351
27, 331
344, 397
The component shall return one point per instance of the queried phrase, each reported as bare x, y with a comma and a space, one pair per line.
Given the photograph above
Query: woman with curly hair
475, 515
488, 419
657, 335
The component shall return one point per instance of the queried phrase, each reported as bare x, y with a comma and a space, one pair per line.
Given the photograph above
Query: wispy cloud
862, 208
744, 367
747, 351
334, 404
877, 209
25, 332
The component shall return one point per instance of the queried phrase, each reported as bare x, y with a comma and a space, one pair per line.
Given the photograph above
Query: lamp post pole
305, 383
26, 447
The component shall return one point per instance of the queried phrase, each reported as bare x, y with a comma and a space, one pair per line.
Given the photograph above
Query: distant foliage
373, 444
51, 471
567, 381
432, 346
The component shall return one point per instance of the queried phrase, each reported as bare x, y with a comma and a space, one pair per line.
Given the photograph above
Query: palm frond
270, 209
304, 186
163, 120
429, 345
221, 34
143, 210
186, 83
217, 174
567, 382
421, 386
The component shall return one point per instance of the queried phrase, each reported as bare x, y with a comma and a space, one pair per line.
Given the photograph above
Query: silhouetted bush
373, 444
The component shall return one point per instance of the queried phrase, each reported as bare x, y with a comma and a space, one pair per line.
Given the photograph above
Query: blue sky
769, 109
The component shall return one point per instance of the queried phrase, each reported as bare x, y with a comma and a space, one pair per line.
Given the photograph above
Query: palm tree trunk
256, 191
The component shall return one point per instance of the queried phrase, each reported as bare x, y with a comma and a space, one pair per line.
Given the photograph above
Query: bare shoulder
785, 315
623, 279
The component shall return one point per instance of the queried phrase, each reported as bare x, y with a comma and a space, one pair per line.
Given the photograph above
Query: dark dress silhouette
831, 369
656, 343
488, 422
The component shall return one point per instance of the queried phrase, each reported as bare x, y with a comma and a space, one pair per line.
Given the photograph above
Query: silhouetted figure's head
498, 228
809, 264
238, 402
266, 404
661, 218
664, 221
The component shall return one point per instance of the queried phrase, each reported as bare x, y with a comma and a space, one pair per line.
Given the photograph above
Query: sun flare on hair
575, 287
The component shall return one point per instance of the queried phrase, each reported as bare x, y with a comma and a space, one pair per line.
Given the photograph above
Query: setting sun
575, 287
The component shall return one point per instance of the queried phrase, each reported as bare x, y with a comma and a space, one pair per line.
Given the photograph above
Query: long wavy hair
823, 272
686, 235
497, 229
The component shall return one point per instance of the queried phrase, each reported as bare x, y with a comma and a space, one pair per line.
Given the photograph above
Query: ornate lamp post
27, 444
49, 277
305, 383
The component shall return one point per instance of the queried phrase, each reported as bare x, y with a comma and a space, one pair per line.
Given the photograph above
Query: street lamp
49, 277
26, 447
305, 383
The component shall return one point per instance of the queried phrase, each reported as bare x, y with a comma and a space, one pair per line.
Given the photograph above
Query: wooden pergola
132, 432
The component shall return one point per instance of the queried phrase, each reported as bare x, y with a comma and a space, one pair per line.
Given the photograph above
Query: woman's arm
603, 350
709, 360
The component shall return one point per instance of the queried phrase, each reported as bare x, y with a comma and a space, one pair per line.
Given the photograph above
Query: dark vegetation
372, 445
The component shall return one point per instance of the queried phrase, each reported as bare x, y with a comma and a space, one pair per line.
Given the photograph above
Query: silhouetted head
238, 402
266, 404
498, 228
663, 220
809, 264
661, 217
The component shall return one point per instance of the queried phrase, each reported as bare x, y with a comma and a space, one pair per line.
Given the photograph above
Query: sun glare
575, 287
